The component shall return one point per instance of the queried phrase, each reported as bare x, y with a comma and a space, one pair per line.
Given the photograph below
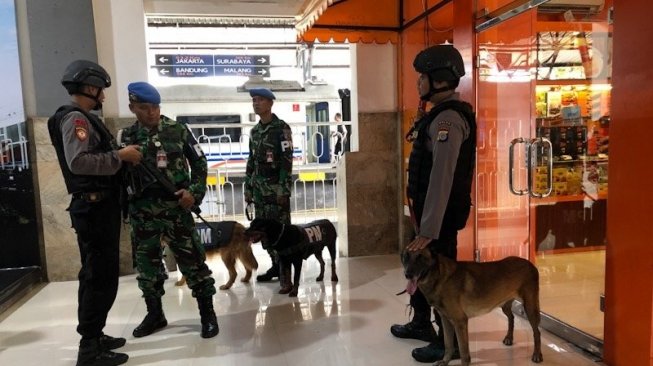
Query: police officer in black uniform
440, 172
89, 162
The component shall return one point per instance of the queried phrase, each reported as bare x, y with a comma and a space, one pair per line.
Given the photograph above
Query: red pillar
629, 253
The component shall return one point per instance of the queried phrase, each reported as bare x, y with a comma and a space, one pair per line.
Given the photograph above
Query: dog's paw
334, 278
507, 341
319, 279
537, 357
226, 286
245, 280
293, 293
285, 290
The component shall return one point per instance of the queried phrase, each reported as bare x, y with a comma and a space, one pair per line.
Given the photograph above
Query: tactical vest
74, 182
421, 162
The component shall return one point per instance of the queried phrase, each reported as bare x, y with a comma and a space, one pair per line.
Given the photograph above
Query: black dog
293, 244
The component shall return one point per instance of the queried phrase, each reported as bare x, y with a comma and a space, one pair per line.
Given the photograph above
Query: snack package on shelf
574, 180
540, 104
554, 103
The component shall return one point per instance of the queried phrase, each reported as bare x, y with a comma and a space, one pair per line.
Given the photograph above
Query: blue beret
262, 92
142, 92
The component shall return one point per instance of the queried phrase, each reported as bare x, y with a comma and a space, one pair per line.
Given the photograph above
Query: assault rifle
171, 188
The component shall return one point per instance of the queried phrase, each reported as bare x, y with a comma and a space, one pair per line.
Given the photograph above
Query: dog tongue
411, 286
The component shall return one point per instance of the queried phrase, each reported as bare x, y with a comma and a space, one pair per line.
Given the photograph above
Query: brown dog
238, 247
463, 290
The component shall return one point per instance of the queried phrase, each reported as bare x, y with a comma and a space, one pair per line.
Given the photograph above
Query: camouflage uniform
269, 170
155, 215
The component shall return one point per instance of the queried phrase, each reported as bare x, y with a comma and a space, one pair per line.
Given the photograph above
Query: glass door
504, 92
543, 107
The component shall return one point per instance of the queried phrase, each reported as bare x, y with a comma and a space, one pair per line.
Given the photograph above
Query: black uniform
441, 164
89, 163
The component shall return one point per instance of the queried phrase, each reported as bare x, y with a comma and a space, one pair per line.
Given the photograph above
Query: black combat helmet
442, 63
84, 72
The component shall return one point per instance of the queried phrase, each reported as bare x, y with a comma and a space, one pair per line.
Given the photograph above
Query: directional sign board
185, 71
241, 60
242, 71
212, 65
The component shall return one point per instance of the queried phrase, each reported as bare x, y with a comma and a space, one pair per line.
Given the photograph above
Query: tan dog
238, 247
463, 290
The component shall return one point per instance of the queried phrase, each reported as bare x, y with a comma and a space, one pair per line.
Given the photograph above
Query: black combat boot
109, 343
418, 328
154, 319
435, 350
92, 353
271, 273
209, 321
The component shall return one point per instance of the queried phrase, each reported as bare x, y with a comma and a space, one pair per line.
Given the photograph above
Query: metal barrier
13, 155
314, 170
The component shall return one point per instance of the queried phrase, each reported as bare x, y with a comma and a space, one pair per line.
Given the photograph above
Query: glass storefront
543, 107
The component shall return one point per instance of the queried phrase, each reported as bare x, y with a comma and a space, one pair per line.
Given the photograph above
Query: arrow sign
163, 70
163, 59
262, 72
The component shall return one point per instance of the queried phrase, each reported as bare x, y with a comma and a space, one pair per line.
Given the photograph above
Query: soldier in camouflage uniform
155, 214
269, 169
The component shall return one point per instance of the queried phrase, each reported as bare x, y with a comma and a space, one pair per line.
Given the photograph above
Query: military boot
418, 328
271, 273
434, 351
154, 319
93, 353
110, 343
207, 315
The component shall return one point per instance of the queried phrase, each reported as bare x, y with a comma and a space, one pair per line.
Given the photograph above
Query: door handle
532, 153
511, 165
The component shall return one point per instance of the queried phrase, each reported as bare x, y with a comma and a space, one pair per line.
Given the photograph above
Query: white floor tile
328, 324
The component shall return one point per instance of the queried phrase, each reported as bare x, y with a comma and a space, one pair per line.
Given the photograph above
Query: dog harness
314, 234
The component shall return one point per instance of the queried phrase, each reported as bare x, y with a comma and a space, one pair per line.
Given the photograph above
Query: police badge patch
443, 135
81, 129
443, 131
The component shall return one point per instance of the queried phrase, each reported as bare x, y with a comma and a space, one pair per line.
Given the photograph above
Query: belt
93, 196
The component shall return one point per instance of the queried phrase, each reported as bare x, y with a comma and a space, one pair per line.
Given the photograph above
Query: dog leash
283, 228
248, 212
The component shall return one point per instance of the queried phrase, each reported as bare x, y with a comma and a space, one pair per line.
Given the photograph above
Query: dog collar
283, 228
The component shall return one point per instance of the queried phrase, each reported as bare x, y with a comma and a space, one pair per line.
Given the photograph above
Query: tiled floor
570, 287
336, 325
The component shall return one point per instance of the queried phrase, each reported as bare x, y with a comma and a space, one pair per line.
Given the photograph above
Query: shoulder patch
198, 150
81, 128
443, 130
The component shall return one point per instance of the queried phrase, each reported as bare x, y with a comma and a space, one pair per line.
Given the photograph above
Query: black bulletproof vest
421, 162
74, 182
